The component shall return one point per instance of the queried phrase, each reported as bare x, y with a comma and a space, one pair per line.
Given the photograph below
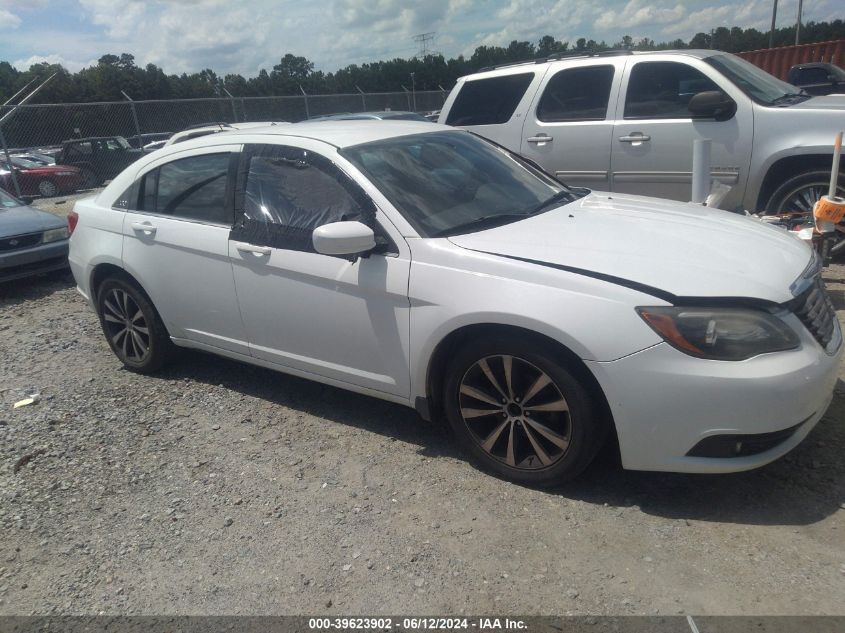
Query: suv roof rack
562, 55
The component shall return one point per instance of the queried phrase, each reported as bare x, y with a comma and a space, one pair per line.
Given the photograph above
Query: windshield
445, 183
24, 163
122, 142
755, 82
7, 201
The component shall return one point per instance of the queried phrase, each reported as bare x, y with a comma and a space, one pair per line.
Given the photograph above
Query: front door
654, 132
343, 319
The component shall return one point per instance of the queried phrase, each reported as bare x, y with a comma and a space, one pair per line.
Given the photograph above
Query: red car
40, 180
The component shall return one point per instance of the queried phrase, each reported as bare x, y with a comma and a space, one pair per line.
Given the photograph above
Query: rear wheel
89, 178
521, 413
132, 326
47, 188
800, 193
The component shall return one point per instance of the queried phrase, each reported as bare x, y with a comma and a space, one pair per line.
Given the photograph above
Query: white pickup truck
625, 121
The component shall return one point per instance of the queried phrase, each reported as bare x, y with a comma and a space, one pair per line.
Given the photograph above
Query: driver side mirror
712, 104
343, 238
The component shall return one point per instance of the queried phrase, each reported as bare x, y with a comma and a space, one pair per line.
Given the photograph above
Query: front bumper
40, 258
665, 403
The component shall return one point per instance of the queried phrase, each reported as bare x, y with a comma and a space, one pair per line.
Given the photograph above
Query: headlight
720, 333
54, 235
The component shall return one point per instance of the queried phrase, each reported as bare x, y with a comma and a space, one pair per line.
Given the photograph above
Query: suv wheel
89, 178
132, 326
520, 413
800, 193
47, 188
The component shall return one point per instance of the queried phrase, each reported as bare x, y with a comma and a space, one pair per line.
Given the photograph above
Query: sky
243, 36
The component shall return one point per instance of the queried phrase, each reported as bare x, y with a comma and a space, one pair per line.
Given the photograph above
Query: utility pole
414, 90
424, 40
774, 19
798, 23
134, 119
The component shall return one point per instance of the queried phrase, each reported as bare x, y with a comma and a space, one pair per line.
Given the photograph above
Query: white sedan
423, 265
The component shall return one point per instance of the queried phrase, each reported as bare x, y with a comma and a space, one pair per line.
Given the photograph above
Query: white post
701, 169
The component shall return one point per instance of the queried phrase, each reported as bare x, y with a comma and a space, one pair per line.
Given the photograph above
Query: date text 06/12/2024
416, 624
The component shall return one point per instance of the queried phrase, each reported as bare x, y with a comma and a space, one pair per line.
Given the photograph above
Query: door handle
540, 138
243, 247
636, 137
144, 227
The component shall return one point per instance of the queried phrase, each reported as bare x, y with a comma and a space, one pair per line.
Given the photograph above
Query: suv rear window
577, 94
488, 101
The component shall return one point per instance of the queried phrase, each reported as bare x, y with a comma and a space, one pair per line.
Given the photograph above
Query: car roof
516, 67
340, 133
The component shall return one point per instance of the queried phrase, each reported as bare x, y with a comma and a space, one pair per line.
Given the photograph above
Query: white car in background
423, 265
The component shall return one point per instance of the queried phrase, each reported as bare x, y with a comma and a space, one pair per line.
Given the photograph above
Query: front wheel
132, 326
521, 413
800, 193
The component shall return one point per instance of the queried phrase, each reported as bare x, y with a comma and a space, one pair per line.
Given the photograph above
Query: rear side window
193, 188
812, 76
662, 90
488, 101
577, 94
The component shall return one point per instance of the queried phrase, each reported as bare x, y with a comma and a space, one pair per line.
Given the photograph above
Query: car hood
21, 220
681, 249
828, 102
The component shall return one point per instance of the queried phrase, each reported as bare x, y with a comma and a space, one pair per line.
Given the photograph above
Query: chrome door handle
145, 227
542, 138
243, 247
636, 137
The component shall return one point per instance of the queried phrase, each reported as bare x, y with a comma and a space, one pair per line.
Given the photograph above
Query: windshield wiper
560, 196
485, 221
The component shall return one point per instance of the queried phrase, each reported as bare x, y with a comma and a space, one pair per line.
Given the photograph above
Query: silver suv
626, 121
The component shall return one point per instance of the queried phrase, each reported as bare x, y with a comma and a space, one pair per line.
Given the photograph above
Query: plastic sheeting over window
284, 193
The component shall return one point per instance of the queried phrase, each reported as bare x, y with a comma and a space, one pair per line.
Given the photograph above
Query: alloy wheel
804, 198
515, 412
126, 325
47, 189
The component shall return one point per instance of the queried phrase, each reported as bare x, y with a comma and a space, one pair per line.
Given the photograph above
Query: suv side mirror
713, 104
343, 238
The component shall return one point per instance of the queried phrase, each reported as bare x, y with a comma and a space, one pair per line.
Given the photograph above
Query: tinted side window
79, 149
193, 188
662, 90
488, 101
813, 76
577, 94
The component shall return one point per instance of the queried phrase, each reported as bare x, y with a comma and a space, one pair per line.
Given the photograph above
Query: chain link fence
33, 134
46, 125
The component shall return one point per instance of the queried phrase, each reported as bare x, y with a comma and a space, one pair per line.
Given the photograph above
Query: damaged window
285, 193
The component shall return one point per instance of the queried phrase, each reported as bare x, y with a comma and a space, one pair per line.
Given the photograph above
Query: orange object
829, 209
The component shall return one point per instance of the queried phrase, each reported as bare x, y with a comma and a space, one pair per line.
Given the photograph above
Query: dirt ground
220, 488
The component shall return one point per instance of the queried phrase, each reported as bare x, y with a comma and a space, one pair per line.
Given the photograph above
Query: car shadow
803, 488
19, 291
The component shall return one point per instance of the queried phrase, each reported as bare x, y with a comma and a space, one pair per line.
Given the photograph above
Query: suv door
340, 318
654, 130
176, 244
567, 129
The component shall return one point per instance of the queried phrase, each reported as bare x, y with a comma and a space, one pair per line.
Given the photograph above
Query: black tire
145, 346
89, 179
514, 455
47, 188
800, 192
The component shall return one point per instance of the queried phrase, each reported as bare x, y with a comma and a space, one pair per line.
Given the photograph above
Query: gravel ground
220, 488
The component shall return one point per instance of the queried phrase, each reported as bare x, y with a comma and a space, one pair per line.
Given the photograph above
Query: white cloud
637, 13
71, 65
8, 20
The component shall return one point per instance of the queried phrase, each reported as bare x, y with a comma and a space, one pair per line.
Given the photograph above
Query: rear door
569, 125
654, 131
494, 105
176, 243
